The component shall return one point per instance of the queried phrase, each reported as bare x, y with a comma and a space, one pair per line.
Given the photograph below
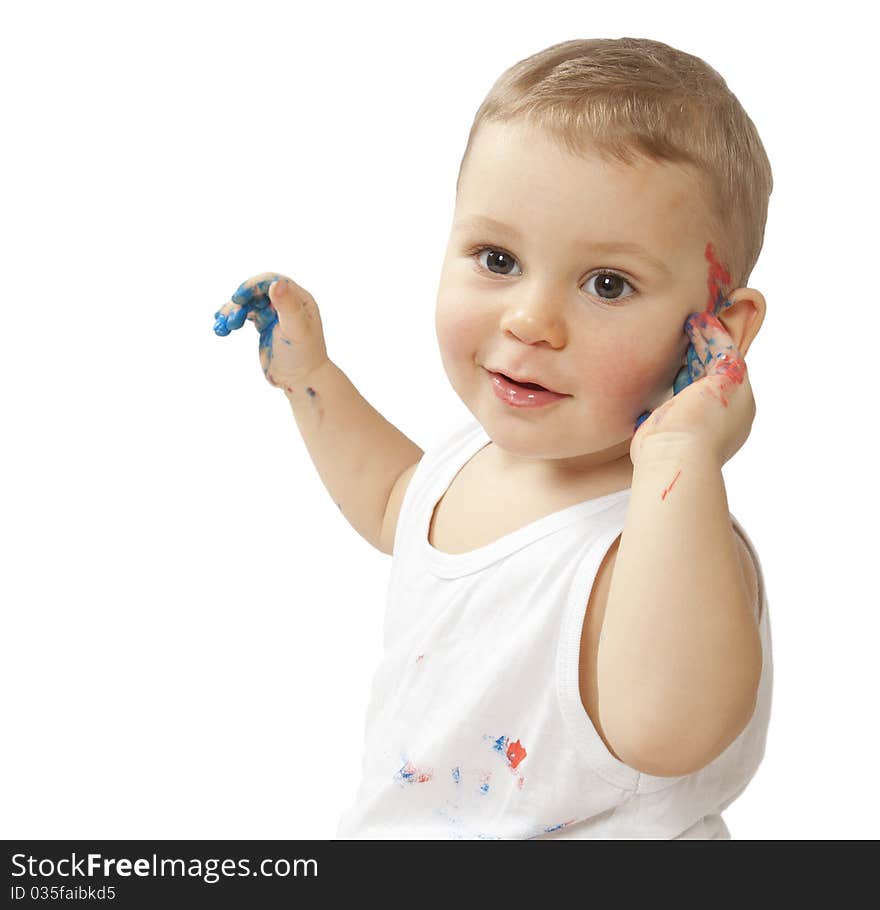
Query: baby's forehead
658, 218
532, 166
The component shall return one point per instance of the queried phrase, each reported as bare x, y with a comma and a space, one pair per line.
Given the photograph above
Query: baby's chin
544, 437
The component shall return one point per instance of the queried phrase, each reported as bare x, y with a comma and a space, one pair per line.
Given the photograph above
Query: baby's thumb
278, 289
279, 295
295, 306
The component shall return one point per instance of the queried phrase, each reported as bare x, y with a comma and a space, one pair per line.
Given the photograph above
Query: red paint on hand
732, 367
671, 485
727, 364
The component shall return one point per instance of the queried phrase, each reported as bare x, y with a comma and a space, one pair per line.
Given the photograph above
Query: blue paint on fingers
251, 302
642, 418
694, 368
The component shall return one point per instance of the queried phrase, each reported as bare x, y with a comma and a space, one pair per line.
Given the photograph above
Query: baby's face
534, 304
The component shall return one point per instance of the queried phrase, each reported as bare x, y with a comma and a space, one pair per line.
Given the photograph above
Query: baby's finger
695, 365
263, 319
266, 337
712, 340
699, 345
229, 317
682, 379
255, 291
296, 309
252, 296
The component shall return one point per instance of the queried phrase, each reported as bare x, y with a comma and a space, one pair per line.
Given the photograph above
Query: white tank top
475, 726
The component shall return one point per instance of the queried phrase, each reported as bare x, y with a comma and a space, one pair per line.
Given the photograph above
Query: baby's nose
534, 323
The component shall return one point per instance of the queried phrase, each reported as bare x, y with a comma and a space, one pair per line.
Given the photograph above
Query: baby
576, 642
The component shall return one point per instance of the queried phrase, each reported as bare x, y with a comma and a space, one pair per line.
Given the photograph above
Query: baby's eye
496, 257
608, 283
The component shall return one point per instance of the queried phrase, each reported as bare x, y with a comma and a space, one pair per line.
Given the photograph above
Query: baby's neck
606, 471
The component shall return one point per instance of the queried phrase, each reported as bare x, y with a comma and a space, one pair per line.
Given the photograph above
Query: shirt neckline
456, 565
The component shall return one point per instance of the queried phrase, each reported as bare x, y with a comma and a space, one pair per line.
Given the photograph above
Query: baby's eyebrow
607, 246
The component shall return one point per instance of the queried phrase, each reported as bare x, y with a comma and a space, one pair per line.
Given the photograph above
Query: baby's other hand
715, 409
292, 342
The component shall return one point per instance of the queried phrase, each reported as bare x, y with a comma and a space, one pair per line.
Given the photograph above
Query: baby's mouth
525, 385
503, 381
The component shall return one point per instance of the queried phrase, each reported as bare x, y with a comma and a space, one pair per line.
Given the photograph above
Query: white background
190, 626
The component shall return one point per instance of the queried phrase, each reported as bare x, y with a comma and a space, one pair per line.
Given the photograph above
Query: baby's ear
743, 317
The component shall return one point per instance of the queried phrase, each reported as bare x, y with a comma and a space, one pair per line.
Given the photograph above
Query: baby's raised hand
292, 343
714, 408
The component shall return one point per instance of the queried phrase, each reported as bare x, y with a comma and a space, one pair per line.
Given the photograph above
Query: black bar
262, 874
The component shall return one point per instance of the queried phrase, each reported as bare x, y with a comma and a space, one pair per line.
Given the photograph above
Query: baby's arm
680, 658
358, 453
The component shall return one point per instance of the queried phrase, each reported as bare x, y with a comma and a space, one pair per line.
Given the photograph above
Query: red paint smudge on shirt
411, 773
515, 753
671, 485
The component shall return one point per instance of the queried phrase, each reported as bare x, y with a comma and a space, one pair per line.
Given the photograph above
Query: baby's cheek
456, 331
634, 377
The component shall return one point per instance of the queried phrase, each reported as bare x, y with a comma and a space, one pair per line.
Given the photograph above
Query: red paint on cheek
707, 320
731, 368
719, 279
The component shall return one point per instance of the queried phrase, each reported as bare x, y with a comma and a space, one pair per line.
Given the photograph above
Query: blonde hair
625, 97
